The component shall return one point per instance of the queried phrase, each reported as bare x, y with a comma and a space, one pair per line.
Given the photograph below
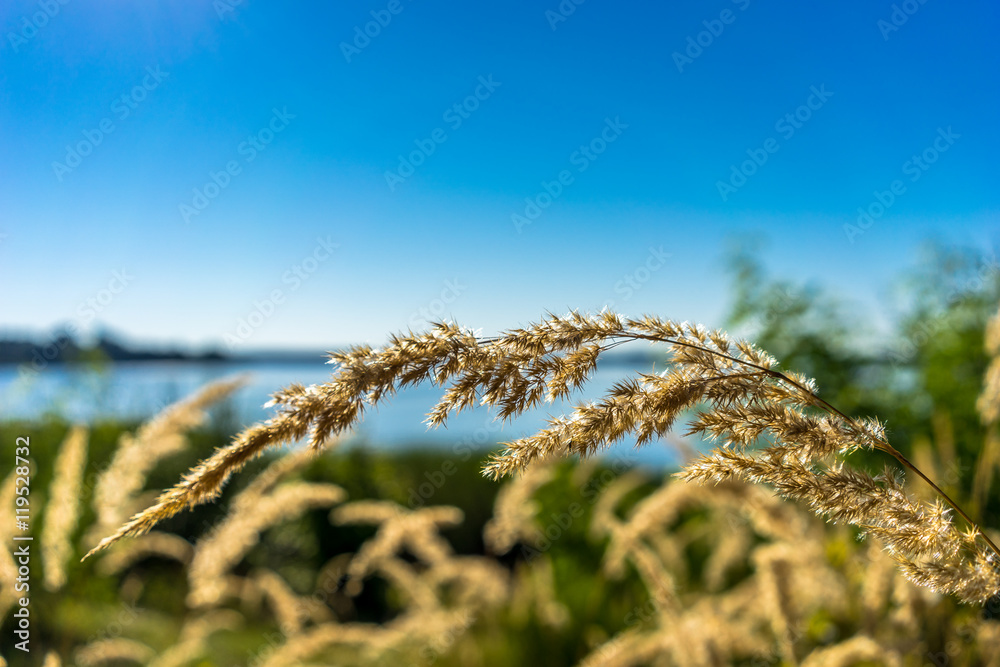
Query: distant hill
62, 348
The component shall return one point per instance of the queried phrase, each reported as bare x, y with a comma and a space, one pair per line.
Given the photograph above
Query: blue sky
267, 174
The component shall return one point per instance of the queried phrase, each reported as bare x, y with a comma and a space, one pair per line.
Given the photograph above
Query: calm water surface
140, 389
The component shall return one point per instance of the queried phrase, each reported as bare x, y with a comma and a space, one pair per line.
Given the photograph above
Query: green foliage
929, 371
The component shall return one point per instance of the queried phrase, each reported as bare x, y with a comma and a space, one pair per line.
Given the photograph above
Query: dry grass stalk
738, 507
909, 607
535, 590
274, 473
740, 619
735, 542
790, 582
114, 650
160, 545
291, 611
399, 528
138, 453
790, 574
204, 482
418, 589
8, 568
514, 510
473, 582
714, 630
988, 638
989, 410
989, 399
986, 468
217, 553
774, 571
438, 586
194, 636
698, 643
851, 652
877, 576
406, 634
255, 508
631, 647
745, 402
62, 508
629, 539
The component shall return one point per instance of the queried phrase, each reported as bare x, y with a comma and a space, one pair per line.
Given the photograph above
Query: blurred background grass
923, 381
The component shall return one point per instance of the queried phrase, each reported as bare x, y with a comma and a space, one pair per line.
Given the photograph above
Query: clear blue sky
114, 117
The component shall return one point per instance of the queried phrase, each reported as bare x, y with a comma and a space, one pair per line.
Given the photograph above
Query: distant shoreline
62, 350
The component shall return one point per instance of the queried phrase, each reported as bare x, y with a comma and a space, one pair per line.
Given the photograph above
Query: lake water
140, 389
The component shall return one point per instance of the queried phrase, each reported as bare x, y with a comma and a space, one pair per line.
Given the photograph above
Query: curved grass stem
824, 405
